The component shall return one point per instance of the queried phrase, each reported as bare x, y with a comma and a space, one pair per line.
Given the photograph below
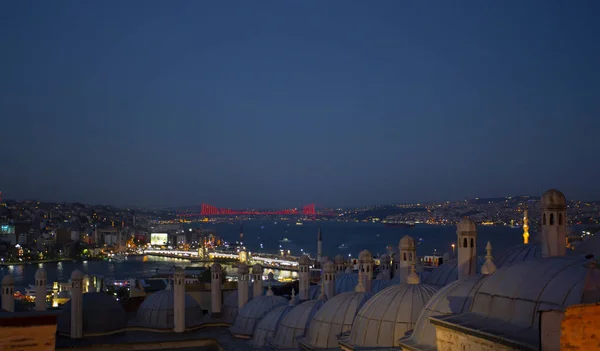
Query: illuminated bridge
210, 210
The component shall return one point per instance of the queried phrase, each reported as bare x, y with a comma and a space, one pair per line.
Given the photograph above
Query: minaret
243, 278
257, 273
413, 277
408, 257
319, 247
525, 228
329, 279
467, 247
40, 289
76, 305
303, 277
216, 297
179, 300
365, 261
8, 293
488, 266
554, 223
384, 266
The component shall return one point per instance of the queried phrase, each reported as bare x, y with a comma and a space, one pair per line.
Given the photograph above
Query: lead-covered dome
230, 305
252, 312
454, 298
101, 314
389, 315
294, 325
447, 272
268, 325
157, 311
334, 318
466, 224
553, 197
518, 254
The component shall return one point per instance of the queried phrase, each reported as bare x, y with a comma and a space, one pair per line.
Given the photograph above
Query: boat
399, 224
285, 241
299, 223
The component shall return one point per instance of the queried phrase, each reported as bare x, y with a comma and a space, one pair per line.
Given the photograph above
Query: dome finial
322, 295
488, 266
360, 287
525, 227
270, 292
413, 277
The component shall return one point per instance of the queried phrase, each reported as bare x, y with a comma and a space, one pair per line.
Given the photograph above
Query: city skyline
286, 104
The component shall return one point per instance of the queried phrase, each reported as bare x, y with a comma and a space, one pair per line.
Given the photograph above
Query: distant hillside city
36, 231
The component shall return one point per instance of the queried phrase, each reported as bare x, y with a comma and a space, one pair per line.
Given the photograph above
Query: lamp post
453, 246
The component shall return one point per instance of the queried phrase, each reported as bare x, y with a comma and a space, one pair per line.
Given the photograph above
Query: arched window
560, 219
472, 242
465, 242
405, 256
367, 269
544, 219
551, 218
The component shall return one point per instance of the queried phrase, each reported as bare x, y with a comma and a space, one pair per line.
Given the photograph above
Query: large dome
334, 318
252, 312
230, 305
454, 298
268, 325
157, 311
508, 302
447, 272
101, 314
295, 325
389, 315
518, 254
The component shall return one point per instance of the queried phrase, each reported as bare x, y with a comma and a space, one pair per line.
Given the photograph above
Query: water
354, 236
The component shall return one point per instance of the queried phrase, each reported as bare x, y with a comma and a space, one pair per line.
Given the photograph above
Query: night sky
286, 103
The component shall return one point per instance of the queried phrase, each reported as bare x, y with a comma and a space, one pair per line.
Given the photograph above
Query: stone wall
451, 340
580, 328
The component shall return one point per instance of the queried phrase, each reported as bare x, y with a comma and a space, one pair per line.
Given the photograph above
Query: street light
453, 246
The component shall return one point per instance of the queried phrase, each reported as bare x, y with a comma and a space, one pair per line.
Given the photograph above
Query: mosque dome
466, 224
253, 311
389, 315
294, 325
329, 267
339, 259
518, 254
553, 197
304, 260
40, 273
314, 291
230, 305
407, 242
345, 282
454, 298
268, 325
378, 285
447, 272
385, 258
334, 318
157, 310
76, 275
8, 280
101, 314
365, 256
508, 302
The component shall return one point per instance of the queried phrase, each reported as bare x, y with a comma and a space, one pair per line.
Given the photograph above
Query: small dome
378, 285
268, 325
216, 268
345, 282
385, 258
466, 225
8, 280
257, 269
329, 267
553, 197
334, 318
407, 243
101, 314
389, 315
365, 257
243, 268
252, 312
453, 298
76, 275
448, 272
304, 260
518, 254
157, 311
339, 259
40, 274
295, 325
230, 305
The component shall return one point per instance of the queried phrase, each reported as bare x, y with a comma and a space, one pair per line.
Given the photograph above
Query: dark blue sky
285, 103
